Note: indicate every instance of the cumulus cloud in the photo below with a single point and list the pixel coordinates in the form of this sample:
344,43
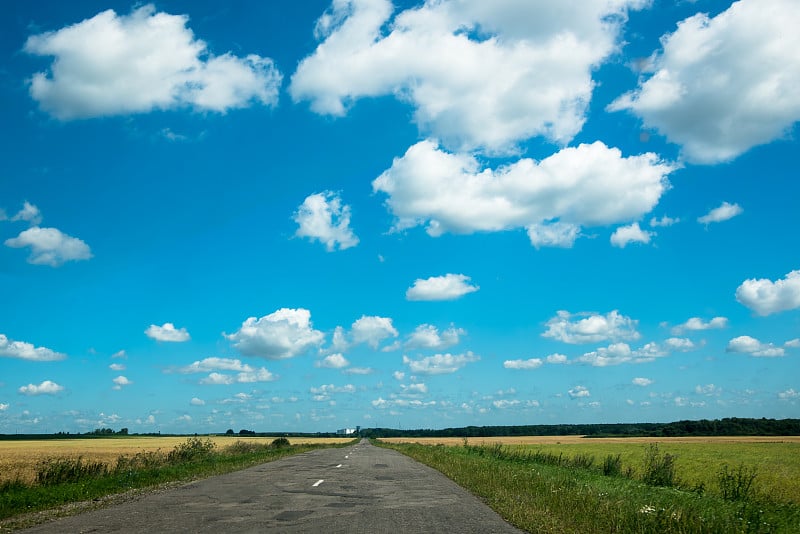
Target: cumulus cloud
167,332
619,353
696,323
578,392
323,217
723,213
587,185
447,287
115,64
532,363
282,334
197,402
47,387
789,394
217,379
372,330
29,213
427,336
644,382
722,85
440,363
625,235
4,406
26,351
333,361
117,367
49,246
752,346
121,381
792,343
215,364
257,375
766,297
664,221
590,327
556,358
414,389
476,75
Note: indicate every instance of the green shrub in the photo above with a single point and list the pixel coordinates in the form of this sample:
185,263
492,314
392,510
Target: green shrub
280,443
659,469
582,461
736,485
191,449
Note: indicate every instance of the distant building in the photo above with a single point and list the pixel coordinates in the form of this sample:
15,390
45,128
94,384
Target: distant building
346,431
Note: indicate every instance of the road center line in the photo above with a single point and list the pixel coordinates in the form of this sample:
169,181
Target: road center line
340,465
318,482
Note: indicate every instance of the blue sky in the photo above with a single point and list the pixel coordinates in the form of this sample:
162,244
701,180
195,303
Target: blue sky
305,216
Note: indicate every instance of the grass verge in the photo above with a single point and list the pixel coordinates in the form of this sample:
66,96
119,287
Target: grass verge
542,495
61,481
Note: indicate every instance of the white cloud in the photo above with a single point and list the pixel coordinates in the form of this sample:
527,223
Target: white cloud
440,363
121,381
752,346
532,363
26,351
663,221
197,402
333,361
372,330
619,353
447,287
113,65
679,344
4,407
556,358
217,379
398,375
722,85
517,80
578,186
49,246
644,382
414,389
709,390
257,375
282,334
427,336
723,213
117,367
215,364
590,327
789,394
624,235
696,323
766,297
359,371
502,404
29,213
167,332
324,392
121,355
792,343
45,388
324,218
578,392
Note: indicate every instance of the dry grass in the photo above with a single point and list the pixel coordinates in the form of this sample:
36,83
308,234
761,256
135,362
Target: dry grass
18,459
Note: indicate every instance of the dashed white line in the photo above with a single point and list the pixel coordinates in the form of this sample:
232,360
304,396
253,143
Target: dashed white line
317,483
340,465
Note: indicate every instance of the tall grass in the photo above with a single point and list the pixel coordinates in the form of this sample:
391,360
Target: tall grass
545,492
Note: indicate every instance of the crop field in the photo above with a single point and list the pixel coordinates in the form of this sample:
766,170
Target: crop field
776,460
18,459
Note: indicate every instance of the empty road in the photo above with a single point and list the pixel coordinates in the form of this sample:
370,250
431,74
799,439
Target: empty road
360,488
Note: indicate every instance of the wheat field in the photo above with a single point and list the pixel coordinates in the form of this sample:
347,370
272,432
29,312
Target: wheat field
18,459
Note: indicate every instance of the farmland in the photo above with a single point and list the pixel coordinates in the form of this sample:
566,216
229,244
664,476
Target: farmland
573,484
19,459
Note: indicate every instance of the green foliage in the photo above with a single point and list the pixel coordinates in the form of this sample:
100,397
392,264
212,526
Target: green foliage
612,465
736,485
659,469
191,449
280,443
63,470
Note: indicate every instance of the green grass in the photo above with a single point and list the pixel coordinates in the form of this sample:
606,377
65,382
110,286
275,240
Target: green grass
61,481
569,496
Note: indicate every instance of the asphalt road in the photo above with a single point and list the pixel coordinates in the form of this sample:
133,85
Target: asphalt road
357,489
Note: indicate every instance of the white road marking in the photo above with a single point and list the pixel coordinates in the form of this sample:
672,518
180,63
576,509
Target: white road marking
318,482
347,457
340,465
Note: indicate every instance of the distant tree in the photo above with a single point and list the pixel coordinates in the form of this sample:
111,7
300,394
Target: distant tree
229,432
244,432
123,432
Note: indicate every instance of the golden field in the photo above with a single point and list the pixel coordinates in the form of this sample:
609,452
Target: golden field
18,459
573,440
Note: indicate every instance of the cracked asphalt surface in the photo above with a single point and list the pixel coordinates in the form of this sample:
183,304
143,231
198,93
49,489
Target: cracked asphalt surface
356,489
